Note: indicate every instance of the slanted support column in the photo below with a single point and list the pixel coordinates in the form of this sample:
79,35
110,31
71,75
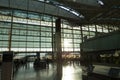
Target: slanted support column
7,66
53,42
10,32
58,49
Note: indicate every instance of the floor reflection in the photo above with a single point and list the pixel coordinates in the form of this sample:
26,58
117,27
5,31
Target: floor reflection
27,72
71,72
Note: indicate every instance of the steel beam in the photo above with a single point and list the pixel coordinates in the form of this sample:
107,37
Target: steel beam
85,2
39,7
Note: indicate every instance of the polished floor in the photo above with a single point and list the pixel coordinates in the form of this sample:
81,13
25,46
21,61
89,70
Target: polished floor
28,72
70,71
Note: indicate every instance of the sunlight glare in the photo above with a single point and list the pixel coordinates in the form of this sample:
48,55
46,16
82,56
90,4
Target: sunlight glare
67,43
67,73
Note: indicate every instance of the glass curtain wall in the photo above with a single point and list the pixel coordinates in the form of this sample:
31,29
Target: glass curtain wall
71,37
30,31
35,32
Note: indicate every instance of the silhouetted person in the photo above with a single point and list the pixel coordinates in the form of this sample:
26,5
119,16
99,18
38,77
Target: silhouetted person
37,61
47,62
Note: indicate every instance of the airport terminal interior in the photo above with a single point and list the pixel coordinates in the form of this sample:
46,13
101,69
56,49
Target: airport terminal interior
59,40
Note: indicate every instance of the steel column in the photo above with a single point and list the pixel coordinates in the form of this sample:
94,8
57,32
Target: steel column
58,49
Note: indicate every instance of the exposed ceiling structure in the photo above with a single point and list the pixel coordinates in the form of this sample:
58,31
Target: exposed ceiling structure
96,11
83,11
